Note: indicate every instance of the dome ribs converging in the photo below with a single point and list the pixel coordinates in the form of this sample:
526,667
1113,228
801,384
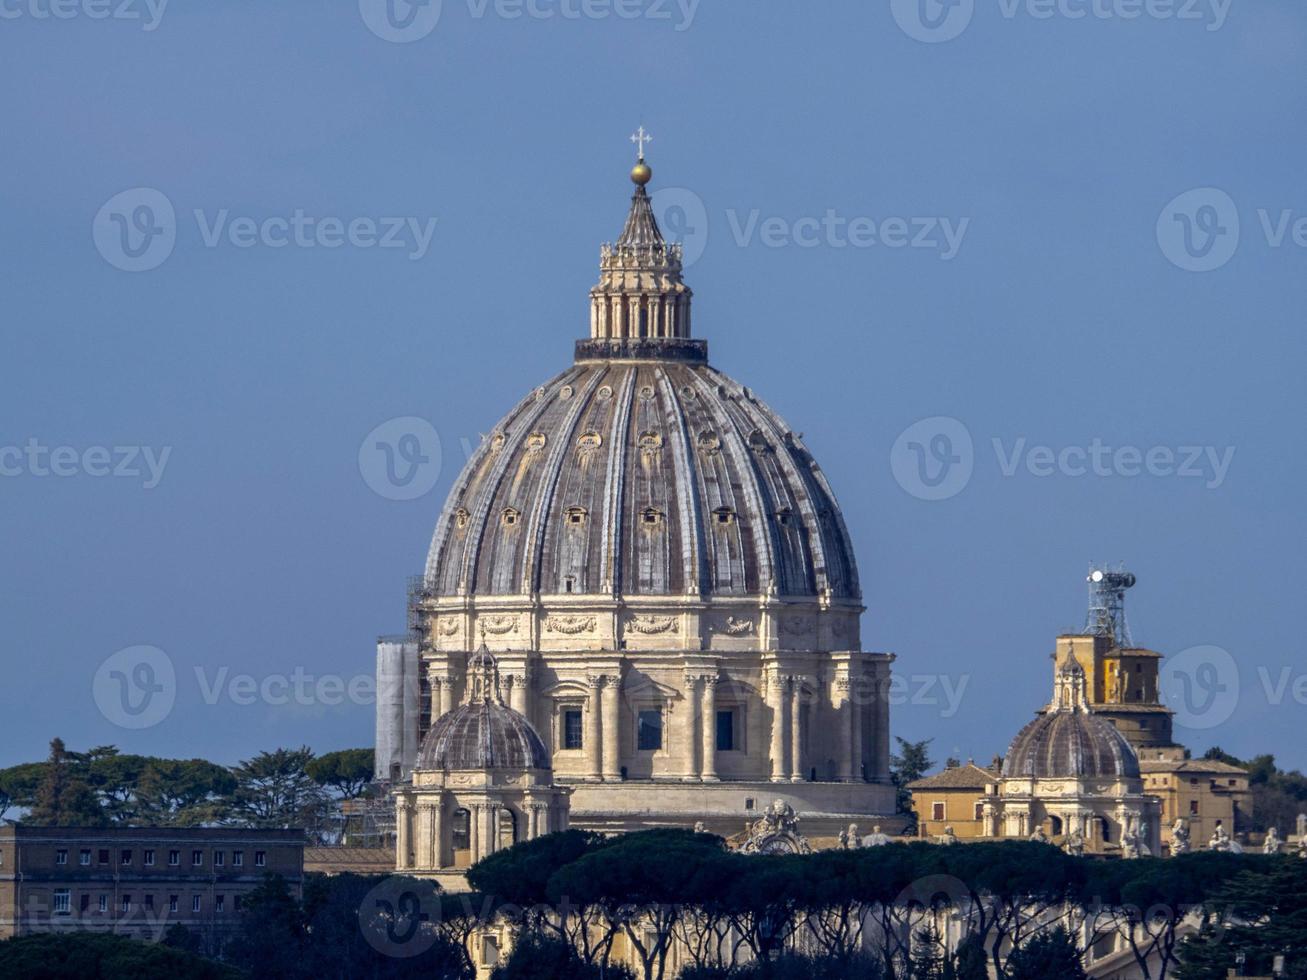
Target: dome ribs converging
611,565
690,513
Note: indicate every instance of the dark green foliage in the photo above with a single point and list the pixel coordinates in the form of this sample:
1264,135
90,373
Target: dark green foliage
910,764
63,798
274,789
1050,954
322,936
101,956
540,958
347,772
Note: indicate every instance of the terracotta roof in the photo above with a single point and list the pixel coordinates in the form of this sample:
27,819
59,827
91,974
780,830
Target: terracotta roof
969,776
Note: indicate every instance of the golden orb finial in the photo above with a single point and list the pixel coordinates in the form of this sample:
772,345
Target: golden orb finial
641,173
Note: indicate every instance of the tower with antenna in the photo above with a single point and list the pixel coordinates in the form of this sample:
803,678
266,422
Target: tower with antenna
1107,587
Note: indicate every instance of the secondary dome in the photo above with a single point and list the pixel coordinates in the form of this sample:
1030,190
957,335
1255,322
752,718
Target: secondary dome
1067,741
484,733
640,470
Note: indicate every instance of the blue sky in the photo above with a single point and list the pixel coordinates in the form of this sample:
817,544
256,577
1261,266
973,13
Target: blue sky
1070,312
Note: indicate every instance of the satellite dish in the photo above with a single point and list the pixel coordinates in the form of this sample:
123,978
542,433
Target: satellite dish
1096,576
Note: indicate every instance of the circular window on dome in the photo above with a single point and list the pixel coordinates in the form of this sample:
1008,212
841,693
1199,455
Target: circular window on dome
566,392
589,442
461,517
688,393
497,442
709,443
535,442
646,392
604,393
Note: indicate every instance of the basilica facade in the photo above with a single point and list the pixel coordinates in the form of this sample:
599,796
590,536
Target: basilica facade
662,575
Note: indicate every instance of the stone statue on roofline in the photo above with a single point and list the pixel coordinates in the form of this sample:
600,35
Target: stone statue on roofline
1179,837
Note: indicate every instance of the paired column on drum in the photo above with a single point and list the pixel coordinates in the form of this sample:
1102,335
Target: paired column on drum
603,729
699,733
403,833
785,699
441,684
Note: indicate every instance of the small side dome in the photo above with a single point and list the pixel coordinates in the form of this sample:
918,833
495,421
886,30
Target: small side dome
484,733
1068,741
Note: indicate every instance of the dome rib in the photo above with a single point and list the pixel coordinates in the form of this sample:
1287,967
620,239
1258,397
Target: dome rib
564,442
760,526
690,512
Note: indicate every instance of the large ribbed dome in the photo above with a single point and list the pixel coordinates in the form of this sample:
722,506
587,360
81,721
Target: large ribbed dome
1067,741
641,477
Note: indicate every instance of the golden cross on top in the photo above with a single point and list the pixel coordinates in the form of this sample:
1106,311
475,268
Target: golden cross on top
640,138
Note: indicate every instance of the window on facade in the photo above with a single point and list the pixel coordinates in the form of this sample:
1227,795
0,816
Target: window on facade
572,728
125,857
1193,808
84,858
260,858
460,832
172,903
726,730
195,903
148,859
174,858
104,855
237,859
649,732
236,903
980,811
149,901
126,904
61,856
63,901
219,858
104,903
937,811
220,904
197,858
84,904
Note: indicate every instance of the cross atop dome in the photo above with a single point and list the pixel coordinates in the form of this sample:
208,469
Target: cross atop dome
640,138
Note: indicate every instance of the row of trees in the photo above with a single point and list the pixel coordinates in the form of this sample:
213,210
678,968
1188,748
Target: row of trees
102,786
918,910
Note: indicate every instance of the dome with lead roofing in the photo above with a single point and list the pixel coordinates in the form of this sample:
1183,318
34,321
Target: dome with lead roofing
640,470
